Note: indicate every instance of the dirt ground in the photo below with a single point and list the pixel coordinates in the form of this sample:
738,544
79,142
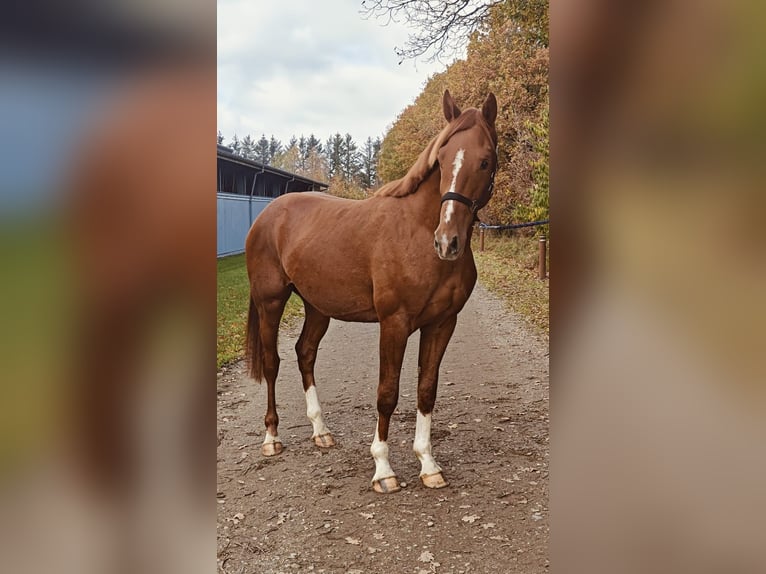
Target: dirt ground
313,510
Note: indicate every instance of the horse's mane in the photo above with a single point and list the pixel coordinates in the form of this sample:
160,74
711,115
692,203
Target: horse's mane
427,159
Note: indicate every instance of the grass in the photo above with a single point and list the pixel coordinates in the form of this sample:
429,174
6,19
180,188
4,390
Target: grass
508,267
233,294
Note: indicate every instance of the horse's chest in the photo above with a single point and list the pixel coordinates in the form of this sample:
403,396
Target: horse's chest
447,298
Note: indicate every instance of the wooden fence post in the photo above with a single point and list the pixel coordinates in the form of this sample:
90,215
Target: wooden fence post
481,239
541,257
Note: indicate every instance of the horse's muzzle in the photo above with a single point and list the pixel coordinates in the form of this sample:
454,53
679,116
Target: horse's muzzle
446,248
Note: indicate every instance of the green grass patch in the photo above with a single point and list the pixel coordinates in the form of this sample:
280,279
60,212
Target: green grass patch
508,267
233,294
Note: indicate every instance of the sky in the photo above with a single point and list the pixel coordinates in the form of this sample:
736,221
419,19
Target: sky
295,67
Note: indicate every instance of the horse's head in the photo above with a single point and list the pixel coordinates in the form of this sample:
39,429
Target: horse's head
467,160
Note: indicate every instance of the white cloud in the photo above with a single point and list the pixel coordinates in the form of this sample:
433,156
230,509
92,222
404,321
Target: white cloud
295,67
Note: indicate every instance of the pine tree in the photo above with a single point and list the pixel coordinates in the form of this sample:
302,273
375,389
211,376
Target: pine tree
312,143
334,155
369,163
350,159
261,150
247,147
236,145
220,138
275,146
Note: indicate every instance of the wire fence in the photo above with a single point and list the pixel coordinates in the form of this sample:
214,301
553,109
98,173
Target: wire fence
514,225
542,272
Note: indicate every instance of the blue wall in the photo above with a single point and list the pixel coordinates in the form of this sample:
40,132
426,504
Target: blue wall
236,214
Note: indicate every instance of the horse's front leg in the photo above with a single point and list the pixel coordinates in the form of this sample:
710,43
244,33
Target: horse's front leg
433,343
393,341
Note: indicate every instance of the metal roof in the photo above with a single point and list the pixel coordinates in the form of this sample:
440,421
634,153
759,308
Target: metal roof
228,154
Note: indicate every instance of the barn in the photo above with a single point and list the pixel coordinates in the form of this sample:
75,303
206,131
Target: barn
245,188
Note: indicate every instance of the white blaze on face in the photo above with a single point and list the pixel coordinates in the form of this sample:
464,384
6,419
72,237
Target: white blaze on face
314,413
456,165
422,445
379,452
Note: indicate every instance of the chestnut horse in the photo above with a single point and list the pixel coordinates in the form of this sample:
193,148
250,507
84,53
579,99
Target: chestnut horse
376,260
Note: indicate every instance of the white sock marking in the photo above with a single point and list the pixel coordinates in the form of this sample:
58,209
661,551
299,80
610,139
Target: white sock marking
379,452
270,438
422,445
314,413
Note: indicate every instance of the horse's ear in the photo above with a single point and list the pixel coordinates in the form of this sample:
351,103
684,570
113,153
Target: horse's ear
451,111
489,109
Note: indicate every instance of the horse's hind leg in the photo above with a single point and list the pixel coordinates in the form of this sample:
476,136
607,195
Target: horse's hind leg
270,313
433,343
314,328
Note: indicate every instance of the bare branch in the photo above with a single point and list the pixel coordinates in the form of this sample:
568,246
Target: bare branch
441,28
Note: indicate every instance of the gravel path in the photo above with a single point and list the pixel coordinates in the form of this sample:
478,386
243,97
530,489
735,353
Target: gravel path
310,510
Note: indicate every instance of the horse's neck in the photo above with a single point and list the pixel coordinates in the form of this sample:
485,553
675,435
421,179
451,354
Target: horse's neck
427,199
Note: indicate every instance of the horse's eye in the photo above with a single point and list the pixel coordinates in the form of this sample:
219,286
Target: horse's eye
484,164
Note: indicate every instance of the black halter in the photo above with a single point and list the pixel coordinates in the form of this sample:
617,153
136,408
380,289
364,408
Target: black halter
476,204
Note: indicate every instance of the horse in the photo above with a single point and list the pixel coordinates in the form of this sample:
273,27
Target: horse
401,258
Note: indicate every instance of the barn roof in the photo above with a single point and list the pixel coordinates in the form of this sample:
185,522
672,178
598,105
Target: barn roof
228,154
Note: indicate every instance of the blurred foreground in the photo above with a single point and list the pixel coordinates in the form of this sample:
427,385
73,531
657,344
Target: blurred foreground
658,315
107,222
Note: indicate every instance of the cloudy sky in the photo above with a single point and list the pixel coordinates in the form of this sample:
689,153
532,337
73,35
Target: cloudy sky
293,67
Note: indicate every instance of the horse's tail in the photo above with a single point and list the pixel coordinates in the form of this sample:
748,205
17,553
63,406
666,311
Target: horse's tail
253,345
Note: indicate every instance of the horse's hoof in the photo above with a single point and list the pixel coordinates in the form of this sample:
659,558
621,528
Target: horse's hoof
272,448
386,485
324,440
435,480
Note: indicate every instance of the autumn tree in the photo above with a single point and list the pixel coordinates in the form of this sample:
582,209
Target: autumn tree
506,57
289,158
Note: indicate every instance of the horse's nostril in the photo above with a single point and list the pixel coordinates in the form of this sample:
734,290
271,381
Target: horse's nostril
436,244
453,245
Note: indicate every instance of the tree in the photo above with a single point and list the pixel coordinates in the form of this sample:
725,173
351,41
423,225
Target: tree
443,29
236,146
369,163
288,159
261,150
350,162
316,165
334,155
220,138
515,67
275,146
247,147
312,143
538,206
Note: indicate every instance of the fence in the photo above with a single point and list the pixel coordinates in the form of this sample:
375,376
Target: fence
236,214
542,271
